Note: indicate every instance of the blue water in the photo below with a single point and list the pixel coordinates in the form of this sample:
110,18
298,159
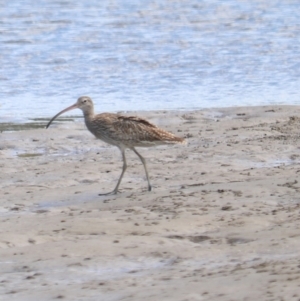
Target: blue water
147,54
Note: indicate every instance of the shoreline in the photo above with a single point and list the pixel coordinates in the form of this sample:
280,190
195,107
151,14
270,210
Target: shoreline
41,122
222,221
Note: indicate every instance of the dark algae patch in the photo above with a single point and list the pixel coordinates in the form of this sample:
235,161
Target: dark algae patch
35,123
8,127
29,155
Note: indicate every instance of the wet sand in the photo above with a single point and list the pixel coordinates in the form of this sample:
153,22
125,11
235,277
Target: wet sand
222,221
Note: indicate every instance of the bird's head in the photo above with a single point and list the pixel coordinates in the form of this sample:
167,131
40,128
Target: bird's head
83,103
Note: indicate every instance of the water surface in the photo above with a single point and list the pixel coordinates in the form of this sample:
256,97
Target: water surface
146,54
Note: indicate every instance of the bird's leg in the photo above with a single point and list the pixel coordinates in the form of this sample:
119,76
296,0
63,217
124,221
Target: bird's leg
115,191
145,166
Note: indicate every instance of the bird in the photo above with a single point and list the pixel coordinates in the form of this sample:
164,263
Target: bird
124,132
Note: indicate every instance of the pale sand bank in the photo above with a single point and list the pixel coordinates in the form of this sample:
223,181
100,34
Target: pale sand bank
222,221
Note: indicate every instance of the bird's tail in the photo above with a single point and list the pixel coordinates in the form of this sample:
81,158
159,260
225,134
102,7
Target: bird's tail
178,140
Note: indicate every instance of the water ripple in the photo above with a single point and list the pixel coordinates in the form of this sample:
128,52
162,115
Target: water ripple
147,55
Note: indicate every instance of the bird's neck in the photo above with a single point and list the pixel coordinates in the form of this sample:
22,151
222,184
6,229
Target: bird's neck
89,114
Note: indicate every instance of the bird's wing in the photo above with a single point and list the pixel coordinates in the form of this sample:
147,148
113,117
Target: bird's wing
141,131
135,121
130,130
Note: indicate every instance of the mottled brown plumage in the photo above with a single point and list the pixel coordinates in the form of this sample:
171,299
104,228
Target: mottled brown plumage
122,131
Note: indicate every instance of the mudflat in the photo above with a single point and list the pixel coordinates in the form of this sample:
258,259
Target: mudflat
222,221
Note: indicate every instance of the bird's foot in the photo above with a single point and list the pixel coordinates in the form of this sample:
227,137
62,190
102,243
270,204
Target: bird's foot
109,193
149,188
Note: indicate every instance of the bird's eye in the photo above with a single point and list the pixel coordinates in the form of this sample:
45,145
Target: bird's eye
84,101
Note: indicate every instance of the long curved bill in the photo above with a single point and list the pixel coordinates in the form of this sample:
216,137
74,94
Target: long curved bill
74,106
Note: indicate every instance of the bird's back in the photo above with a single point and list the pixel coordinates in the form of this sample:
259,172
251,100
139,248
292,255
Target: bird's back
129,131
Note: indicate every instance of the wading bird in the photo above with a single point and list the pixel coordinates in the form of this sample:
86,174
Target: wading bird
122,131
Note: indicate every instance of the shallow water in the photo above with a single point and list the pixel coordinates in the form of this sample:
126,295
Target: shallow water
147,54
